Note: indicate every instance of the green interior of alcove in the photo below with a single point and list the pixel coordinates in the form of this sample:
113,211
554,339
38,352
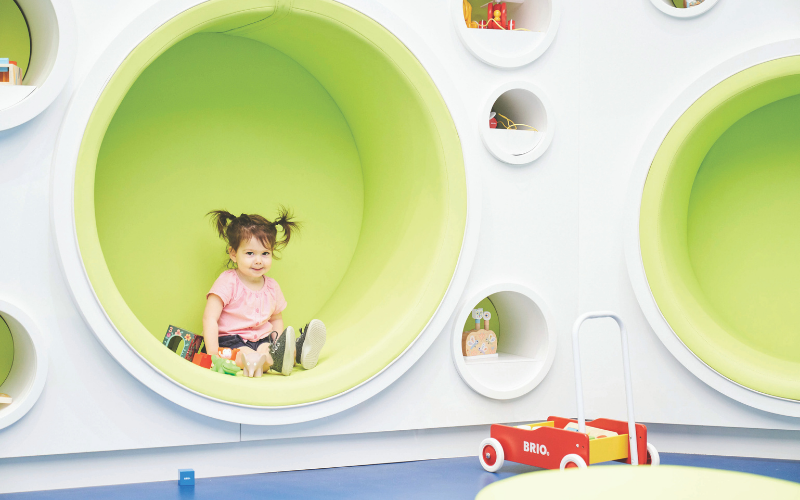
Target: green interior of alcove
247,105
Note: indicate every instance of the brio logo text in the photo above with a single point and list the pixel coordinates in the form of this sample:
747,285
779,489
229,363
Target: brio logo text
539,449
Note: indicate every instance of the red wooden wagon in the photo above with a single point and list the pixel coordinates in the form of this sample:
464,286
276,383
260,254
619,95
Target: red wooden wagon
550,445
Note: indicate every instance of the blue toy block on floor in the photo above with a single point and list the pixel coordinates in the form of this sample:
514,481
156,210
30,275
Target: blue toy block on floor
186,477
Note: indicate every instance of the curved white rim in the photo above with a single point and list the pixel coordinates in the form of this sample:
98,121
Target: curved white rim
655,458
633,256
499,59
670,10
458,358
574,459
62,190
497,151
22,325
44,95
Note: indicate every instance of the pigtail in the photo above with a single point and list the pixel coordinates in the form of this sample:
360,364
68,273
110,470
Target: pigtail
286,222
220,219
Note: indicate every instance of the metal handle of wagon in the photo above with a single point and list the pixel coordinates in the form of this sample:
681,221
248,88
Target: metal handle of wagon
576,351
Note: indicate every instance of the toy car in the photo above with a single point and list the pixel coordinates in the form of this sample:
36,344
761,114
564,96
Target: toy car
551,445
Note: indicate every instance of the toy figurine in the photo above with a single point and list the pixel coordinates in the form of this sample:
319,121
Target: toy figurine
480,341
253,363
224,366
468,15
496,15
9,72
477,314
227,353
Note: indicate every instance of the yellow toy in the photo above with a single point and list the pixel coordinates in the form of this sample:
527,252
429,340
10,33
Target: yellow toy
510,125
468,15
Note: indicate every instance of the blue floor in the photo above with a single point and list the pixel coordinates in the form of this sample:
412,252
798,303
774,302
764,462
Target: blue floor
454,478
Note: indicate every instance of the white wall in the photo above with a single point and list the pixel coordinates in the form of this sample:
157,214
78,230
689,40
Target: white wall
554,225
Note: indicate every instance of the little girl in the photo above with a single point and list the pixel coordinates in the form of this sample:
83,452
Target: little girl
244,307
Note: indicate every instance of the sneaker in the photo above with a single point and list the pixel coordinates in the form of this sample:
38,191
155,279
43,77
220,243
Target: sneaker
310,343
282,351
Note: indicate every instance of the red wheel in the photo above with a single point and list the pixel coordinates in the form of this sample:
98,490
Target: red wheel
571,465
491,455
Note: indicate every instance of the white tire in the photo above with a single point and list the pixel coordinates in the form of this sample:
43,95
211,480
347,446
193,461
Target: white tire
491,455
574,459
654,458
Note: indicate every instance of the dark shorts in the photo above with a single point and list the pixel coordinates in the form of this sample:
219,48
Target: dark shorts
235,342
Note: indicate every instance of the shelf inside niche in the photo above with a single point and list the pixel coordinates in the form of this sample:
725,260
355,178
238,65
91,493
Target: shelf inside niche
502,357
12,94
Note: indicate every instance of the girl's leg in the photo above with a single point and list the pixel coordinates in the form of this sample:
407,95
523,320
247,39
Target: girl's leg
310,344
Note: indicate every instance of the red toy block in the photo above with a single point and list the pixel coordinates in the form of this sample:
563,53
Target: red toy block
201,359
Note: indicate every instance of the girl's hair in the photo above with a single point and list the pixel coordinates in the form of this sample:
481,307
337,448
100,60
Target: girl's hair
236,230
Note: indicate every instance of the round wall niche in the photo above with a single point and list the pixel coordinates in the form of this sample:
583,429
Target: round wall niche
712,250
51,46
290,122
525,124
669,8
24,371
526,342
536,23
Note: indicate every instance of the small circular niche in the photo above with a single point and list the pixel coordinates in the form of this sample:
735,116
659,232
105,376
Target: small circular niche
23,370
526,342
40,36
536,25
668,7
525,124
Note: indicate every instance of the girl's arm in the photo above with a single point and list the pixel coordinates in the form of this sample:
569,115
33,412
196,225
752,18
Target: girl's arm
214,307
277,324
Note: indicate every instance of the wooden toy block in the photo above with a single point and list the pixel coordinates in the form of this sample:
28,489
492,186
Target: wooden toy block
192,342
593,432
186,477
479,343
5,399
9,72
202,359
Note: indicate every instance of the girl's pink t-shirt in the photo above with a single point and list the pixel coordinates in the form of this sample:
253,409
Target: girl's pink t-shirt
246,313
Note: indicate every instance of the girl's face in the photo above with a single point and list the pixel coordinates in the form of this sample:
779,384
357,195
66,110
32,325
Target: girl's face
252,258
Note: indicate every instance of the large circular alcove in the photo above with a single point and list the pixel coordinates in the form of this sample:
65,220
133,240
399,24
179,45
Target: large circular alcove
247,106
41,36
718,234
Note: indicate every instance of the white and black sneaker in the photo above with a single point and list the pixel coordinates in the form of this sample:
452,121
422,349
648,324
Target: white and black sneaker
282,351
310,343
